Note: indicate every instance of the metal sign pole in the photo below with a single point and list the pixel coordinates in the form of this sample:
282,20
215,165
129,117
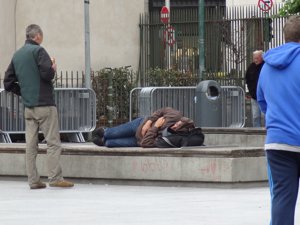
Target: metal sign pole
167,3
87,44
201,39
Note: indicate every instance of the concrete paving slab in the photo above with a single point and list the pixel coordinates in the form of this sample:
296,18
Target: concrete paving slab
94,204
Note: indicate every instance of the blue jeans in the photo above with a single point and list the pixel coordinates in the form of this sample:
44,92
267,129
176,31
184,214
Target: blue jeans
256,113
122,135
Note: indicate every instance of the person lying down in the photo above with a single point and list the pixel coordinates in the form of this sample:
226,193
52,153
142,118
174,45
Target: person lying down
165,128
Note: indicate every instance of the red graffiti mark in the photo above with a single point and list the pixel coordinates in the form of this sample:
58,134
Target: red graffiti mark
210,168
150,165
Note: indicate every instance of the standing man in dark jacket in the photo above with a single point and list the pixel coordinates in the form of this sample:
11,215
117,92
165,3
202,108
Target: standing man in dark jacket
30,75
252,75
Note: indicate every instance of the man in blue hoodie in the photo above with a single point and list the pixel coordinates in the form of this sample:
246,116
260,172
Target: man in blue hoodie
278,95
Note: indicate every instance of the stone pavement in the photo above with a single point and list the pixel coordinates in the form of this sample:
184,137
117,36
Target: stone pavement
95,204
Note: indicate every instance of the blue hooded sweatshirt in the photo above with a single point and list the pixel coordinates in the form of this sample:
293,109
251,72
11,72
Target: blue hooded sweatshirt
278,94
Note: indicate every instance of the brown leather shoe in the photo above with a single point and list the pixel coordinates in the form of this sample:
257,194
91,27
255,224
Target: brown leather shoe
38,185
61,183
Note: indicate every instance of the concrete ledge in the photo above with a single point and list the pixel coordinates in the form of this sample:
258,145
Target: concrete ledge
243,137
217,164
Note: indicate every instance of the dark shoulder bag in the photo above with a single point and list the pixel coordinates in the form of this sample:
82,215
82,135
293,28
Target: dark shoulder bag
171,139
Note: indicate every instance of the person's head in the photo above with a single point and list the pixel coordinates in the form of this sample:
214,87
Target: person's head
35,33
291,29
258,57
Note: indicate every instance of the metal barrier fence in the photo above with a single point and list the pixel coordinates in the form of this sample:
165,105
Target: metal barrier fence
76,110
233,106
150,99
113,107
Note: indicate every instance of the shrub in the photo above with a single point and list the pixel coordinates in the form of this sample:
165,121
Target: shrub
113,104
162,77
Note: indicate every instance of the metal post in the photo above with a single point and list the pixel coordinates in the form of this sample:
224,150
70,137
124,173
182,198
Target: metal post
201,15
87,44
110,97
167,3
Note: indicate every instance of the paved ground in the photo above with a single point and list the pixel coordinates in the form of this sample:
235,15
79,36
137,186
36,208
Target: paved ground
88,204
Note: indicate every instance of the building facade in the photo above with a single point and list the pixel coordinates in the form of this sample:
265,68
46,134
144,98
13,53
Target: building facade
114,28
247,2
7,32
114,31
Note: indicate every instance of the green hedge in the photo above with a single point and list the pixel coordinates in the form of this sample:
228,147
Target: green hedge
162,77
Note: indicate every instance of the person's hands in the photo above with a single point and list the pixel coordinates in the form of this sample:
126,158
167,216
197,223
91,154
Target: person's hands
159,122
146,127
54,66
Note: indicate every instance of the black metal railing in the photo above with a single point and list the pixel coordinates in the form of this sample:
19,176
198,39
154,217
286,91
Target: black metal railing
231,36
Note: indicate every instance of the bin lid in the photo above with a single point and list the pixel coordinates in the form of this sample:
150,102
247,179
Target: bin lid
209,86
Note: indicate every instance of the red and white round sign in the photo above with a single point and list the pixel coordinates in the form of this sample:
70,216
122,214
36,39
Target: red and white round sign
164,15
169,35
265,5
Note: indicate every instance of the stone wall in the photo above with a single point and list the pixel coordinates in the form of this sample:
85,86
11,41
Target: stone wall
7,32
114,30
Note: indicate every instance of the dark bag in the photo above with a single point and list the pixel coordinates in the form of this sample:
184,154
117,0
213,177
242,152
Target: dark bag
172,139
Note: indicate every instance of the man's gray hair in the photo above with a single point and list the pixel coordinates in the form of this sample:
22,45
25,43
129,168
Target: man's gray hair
32,30
258,52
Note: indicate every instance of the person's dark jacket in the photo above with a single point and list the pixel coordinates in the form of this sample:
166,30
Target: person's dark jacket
252,76
30,75
170,115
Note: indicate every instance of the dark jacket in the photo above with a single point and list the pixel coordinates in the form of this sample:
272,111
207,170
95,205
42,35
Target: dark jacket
171,117
30,75
252,76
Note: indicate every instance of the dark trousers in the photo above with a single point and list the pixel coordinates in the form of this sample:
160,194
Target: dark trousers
283,172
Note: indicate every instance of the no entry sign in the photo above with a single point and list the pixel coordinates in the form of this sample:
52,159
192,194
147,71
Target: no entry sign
164,15
265,5
169,35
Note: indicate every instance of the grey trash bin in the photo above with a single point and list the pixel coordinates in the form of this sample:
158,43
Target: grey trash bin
208,104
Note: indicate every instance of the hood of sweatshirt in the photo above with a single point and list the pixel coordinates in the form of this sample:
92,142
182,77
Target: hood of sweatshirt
283,55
